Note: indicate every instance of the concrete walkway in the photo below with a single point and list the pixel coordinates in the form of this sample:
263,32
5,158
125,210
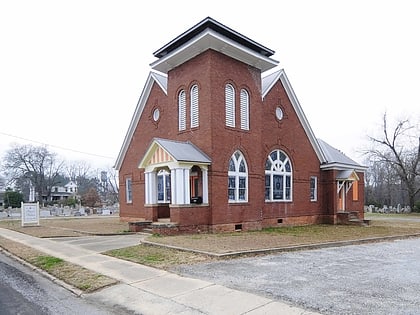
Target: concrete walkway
146,290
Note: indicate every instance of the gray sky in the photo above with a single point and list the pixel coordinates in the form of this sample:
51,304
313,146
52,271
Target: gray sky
71,72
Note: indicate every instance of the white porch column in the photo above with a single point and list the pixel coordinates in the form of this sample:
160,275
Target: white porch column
173,186
187,194
150,180
180,186
205,185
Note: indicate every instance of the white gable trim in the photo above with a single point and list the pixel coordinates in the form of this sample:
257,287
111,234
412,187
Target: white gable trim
210,39
298,109
153,77
341,166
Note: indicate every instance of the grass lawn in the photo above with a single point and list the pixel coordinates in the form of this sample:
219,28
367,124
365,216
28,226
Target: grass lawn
279,237
166,255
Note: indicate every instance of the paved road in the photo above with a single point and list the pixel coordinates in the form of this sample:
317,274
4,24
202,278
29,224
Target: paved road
25,292
376,279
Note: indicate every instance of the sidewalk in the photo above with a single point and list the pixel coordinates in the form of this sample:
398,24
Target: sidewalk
147,290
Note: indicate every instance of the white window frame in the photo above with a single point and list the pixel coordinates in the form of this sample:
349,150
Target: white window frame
166,182
237,177
313,189
280,171
244,106
128,190
194,106
230,105
182,112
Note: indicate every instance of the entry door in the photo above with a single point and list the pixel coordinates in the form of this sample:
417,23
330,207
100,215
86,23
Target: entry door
194,186
341,195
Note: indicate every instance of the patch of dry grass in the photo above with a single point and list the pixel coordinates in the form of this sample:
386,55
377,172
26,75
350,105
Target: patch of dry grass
75,275
165,258
67,227
157,257
272,238
286,236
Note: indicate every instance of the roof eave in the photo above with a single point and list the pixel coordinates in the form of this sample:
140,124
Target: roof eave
209,39
342,166
136,116
301,115
210,23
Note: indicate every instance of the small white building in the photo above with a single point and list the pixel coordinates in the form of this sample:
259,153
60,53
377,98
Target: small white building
63,192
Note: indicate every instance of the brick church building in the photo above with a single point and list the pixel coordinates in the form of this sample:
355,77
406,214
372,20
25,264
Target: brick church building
216,144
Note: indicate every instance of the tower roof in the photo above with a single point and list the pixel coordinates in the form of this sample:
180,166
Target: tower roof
210,34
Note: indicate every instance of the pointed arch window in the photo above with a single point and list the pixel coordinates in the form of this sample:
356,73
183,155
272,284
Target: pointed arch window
182,113
244,109
194,106
230,105
237,178
278,177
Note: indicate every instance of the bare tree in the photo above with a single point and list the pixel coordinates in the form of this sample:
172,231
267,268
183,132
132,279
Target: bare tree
78,169
108,185
2,183
91,198
113,186
397,149
35,164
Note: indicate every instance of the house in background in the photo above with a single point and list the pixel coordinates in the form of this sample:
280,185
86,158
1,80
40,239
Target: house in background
219,142
62,192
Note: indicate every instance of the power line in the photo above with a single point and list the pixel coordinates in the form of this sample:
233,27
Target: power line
56,146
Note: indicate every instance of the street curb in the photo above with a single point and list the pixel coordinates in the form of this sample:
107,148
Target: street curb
45,274
287,248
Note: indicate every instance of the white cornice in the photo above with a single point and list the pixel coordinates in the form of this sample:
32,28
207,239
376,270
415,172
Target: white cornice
341,166
137,114
209,39
301,115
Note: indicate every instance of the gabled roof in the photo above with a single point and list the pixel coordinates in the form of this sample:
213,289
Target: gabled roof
210,34
347,175
153,77
337,159
178,151
267,84
209,23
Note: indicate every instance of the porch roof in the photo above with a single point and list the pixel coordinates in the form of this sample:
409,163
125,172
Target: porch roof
179,151
348,175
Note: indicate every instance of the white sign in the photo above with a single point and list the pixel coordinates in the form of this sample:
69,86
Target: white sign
30,213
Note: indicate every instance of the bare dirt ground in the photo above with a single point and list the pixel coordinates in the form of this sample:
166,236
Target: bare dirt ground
219,244
381,226
293,236
70,226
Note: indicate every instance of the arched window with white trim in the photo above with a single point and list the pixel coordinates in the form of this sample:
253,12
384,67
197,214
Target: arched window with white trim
182,113
230,105
237,178
244,109
278,177
194,106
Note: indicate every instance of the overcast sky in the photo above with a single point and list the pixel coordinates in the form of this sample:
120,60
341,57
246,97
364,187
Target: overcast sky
71,72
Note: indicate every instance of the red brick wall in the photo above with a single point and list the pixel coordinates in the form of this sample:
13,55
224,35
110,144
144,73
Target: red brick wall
289,136
211,71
